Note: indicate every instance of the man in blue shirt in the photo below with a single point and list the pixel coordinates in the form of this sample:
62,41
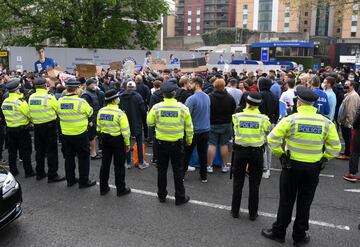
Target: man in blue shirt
329,83
275,88
322,104
44,62
199,106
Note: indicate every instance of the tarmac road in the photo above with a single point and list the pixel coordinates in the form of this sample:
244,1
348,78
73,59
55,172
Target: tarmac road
55,215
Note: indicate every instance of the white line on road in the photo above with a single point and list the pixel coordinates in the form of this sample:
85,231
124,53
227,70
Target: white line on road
224,207
353,190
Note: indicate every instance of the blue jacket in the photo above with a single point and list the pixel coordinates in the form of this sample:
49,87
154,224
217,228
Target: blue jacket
322,104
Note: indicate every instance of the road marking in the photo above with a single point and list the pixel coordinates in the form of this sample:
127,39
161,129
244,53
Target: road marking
353,190
321,175
228,208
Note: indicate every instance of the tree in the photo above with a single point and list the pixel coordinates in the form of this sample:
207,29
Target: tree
83,23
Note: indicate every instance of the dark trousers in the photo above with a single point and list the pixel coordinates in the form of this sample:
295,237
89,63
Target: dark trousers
354,162
145,126
254,157
19,139
173,151
113,147
154,145
77,145
2,141
46,145
200,140
297,183
346,134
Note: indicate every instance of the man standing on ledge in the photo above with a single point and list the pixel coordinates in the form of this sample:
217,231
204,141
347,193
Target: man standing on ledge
311,140
74,113
170,119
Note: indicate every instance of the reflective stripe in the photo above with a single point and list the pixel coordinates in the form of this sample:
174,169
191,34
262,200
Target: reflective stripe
41,111
170,132
250,135
170,106
272,136
70,98
108,125
251,116
171,124
125,129
16,120
62,114
73,120
332,152
188,126
110,131
304,151
308,119
333,143
305,142
43,118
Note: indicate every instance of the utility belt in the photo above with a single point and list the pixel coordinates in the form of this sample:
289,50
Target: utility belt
287,163
242,148
19,128
161,142
51,123
105,135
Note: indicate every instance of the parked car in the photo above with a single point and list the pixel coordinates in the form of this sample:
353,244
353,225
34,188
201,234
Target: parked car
11,198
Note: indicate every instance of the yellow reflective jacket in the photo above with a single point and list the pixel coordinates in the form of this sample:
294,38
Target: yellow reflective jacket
250,127
113,121
43,107
171,119
305,133
74,113
15,110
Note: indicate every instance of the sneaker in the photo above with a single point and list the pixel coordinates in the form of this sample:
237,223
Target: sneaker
191,169
266,174
225,169
143,165
204,181
343,157
129,166
350,177
210,169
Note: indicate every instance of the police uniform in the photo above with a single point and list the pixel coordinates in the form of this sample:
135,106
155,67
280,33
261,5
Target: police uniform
311,139
113,126
74,113
43,107
171,119
16,112
250,127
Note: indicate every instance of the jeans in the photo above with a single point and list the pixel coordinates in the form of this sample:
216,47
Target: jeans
346,134
139,144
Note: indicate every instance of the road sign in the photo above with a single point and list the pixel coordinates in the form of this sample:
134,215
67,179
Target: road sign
265,54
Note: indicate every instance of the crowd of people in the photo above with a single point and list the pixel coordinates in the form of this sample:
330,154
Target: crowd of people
175,112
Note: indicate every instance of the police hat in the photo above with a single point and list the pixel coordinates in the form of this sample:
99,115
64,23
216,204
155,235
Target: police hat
72,83
111,94
40,81
254,98
168,87
13,84
306,95
91,81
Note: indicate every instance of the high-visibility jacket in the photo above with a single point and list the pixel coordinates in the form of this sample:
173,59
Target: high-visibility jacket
171,119
74,113
113,121
250,127
43,106
306,133
15,110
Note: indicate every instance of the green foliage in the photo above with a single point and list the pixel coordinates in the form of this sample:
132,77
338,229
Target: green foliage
82,23
227,36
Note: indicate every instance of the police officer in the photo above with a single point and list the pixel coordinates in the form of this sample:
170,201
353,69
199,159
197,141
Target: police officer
113,126
16,112
171,119
74,113
250,127
43,108
311,140
95,99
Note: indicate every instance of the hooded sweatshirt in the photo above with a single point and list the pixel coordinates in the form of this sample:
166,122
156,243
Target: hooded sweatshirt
132,104
270,102
222,107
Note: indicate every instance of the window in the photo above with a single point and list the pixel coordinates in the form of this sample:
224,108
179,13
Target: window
198,20
305,30
353,34
198,11
189,20
245,6
244,25
354,23
338,30
286,30
305,22
306,13
286,25
189,12
287,14
197,28
189,28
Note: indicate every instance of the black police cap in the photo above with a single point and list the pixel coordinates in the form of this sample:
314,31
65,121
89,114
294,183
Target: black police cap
111,94
72,83
40,81
306,94
254,98
168,87
13,84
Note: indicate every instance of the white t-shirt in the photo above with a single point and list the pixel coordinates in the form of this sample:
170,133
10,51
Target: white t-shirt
288,96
